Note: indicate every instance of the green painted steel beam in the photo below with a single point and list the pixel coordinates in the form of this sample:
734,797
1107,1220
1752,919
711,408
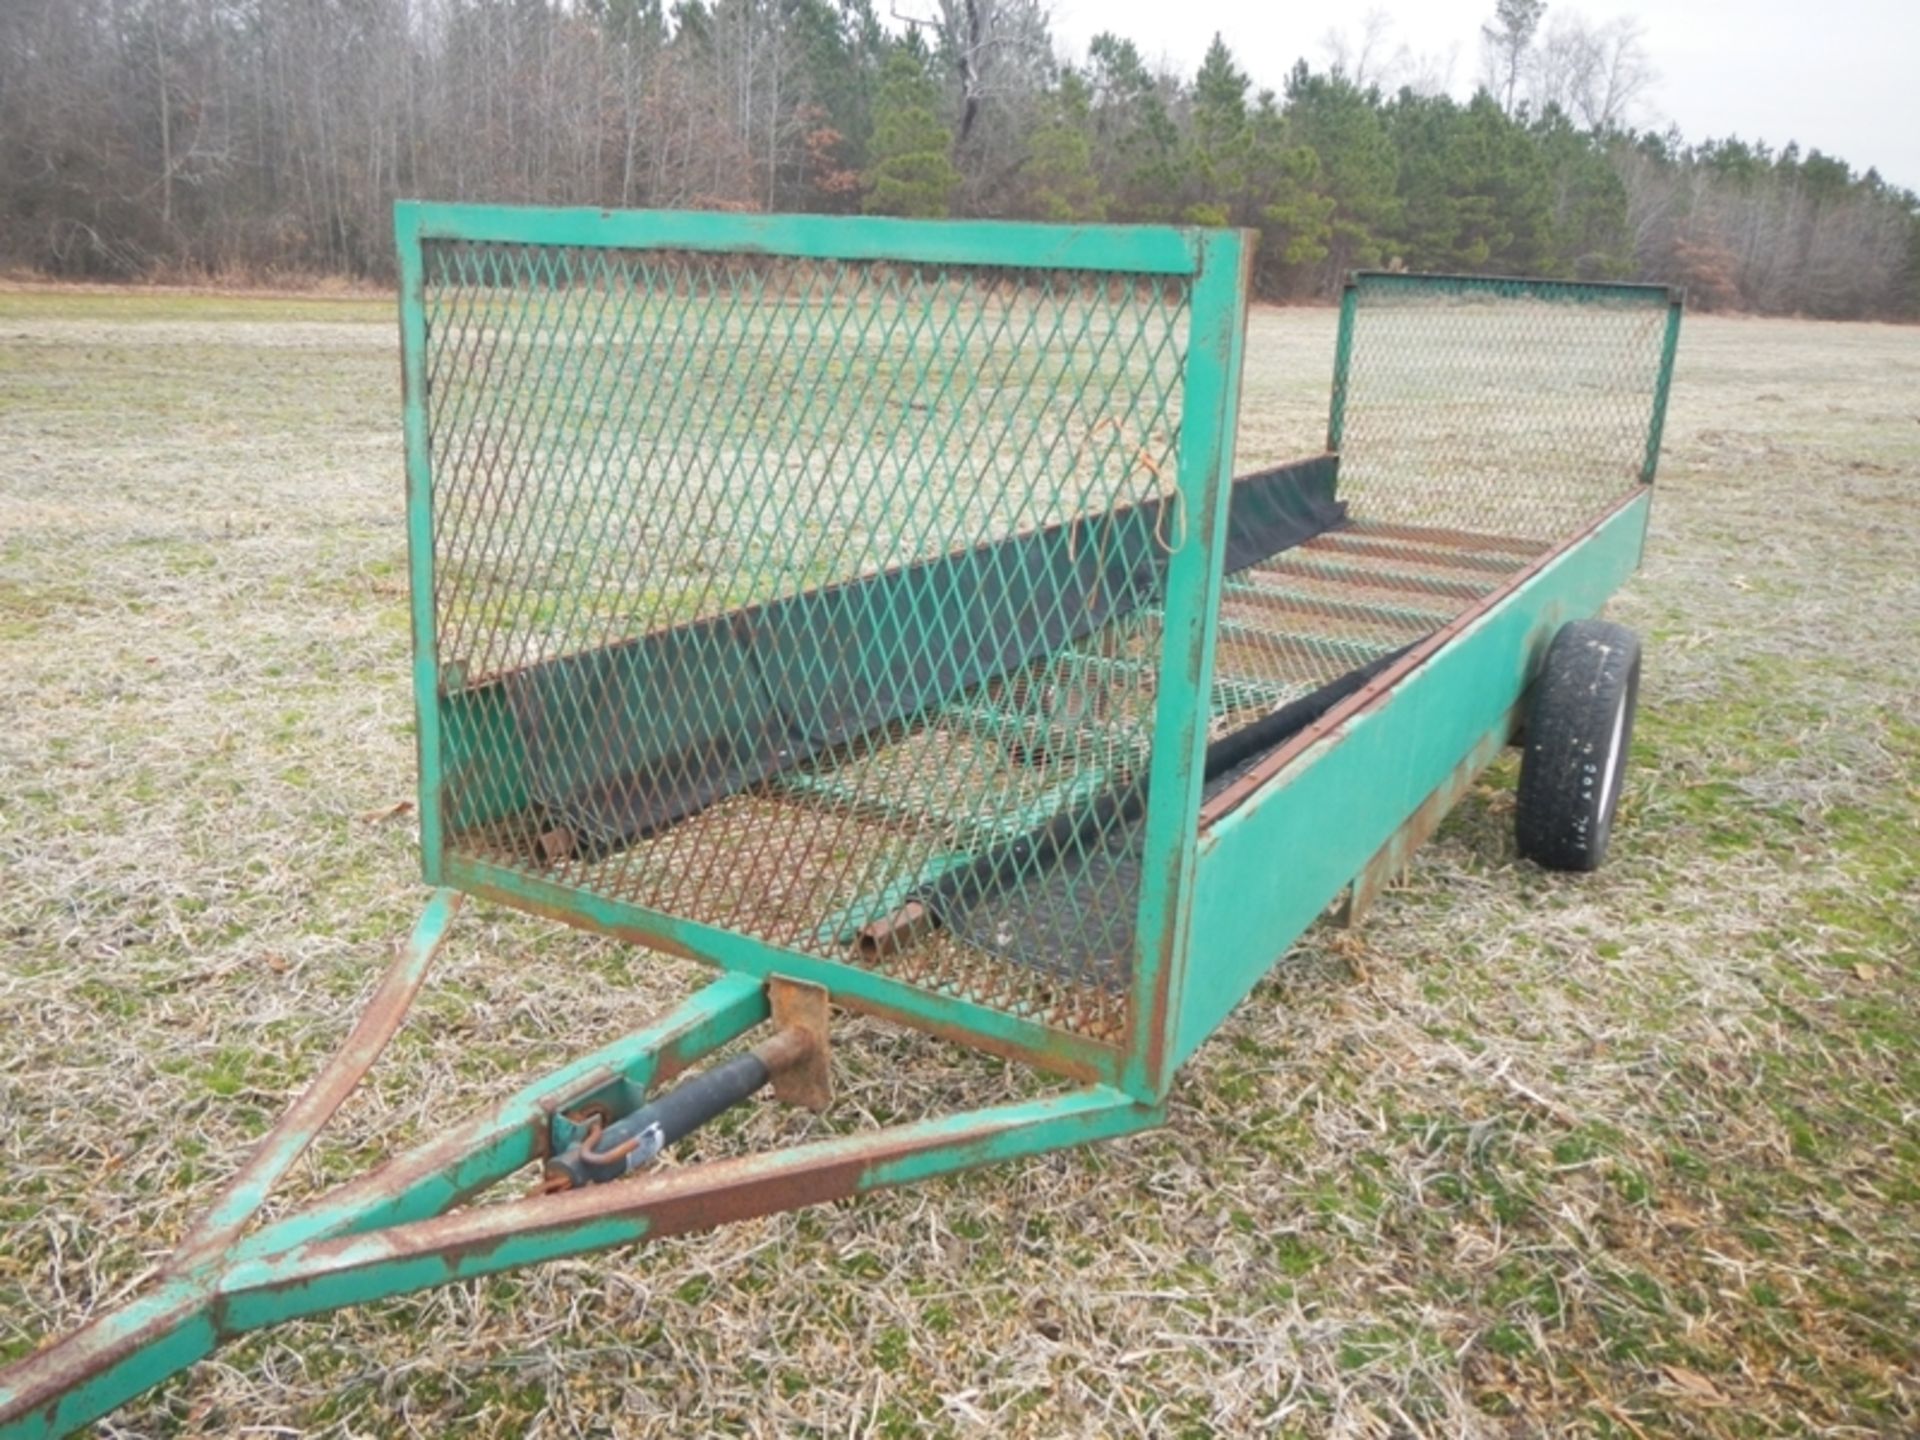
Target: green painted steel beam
274,1155
184,1319
160,1333
420,532
1126,249
327,1275
1512,287
125,1353
1663,384
491,1145
1195,574
1269,869
1342,366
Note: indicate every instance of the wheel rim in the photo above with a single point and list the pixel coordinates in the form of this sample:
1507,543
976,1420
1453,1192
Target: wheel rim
1610,772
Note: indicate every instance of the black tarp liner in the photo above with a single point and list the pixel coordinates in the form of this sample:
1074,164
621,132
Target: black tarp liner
1062,898
622,741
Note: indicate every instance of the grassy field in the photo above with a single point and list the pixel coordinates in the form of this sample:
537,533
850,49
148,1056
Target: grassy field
1630,1155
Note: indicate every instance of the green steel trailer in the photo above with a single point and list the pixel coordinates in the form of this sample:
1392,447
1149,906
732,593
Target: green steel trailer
872,610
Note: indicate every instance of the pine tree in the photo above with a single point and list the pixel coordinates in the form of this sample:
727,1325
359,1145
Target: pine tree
1473,188
1356,166
910,173
1136,145
1295,216
1591,239
1220,149
841,45
1245,167
1060,157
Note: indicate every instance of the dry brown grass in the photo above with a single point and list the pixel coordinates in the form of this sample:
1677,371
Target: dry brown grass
1631,1155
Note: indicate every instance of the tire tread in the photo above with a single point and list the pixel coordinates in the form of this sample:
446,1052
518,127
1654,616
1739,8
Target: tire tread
1557,820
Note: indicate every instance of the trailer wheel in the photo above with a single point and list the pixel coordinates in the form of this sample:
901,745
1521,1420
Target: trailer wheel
1579,729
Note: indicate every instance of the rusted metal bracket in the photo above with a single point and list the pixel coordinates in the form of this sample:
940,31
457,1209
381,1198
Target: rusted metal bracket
800,1005
893,933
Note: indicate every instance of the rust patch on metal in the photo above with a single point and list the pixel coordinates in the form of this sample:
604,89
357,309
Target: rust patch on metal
1405,583
1456,539
589,1146
1061,1054
761,1195
677,1057
1057,1057
801,1008
568,915
1327,609
1472,560
40,1381
667,1202
592,1111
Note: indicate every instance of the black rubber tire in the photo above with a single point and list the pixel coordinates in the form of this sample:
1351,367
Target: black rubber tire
1579,730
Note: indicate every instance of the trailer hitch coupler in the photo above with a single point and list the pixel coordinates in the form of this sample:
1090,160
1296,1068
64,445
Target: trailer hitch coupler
630,1143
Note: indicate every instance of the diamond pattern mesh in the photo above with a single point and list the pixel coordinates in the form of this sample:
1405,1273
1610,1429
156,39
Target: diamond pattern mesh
1484,423
1503,409
805,598
768,590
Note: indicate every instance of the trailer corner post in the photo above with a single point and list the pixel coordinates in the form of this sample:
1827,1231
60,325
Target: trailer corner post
407,233
1657,422
1216,343
1342,364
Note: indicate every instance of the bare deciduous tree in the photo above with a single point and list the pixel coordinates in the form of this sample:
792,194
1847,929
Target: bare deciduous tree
1595,73
1505,45
1365,56
1372,59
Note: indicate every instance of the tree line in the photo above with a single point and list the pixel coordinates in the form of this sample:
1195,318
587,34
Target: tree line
268,138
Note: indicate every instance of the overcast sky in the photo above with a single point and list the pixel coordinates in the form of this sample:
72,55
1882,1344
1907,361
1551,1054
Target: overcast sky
1841,76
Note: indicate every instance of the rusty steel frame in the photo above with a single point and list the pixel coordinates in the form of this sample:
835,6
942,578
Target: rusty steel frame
400,1228
1215,265
410,1224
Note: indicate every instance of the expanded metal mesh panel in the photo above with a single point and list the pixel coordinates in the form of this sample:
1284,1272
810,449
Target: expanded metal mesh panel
822,600
1495,408
771,591
1480,423
1486,422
